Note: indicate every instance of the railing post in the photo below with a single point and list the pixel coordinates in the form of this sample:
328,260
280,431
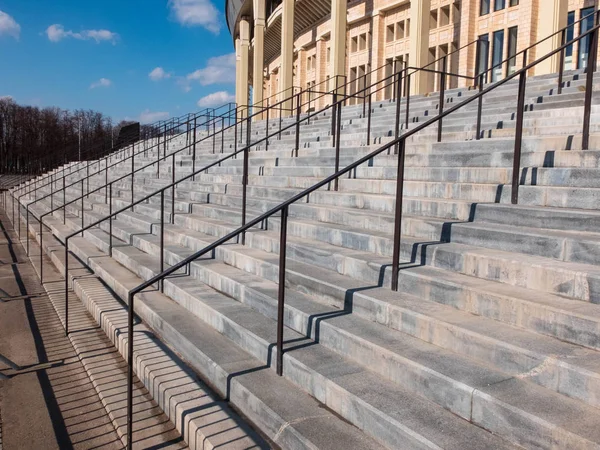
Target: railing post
132,178
442,98
64,202
519,134
82,209
244,192
66,286
334,116
194,153
364,90
281,290
337,142
222,134
110,220
398,215
27,227
398,106
214,136
407,93
130,372
173,191
267,130
369,119
297,124
479,107
42,250
561,63
162,238
587,109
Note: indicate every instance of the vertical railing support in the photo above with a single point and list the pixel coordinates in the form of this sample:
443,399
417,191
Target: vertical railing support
297,124
281,290
398,215
110,220
82,209
369,119
407,93
244,192
337,142
173,191
162,238
442,98
66,286
561,63
587,108
398,107
479,107
130,317
516,176
194,153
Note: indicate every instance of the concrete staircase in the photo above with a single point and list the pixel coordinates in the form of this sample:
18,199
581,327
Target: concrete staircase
492,338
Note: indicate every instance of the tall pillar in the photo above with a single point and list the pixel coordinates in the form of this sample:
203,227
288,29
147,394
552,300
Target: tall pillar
419,43
551,18
244,63
259,52
286,72
238,70
339,12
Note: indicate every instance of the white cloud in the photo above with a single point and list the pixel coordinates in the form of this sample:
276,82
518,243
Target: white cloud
219,69
216,99
102,82
159,74
148,116
57,33
9,26
196,13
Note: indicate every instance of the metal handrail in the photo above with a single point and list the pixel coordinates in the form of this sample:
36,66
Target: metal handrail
156,125
400,144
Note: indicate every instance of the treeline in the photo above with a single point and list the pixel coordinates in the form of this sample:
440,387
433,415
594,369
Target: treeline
33,140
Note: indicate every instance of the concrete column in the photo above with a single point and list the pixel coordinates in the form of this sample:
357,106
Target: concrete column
419,43
244,62
259,52
238,70
551,18
286,72
339,12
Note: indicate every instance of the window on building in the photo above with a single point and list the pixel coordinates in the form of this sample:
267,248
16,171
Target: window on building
584,44
456,12
407,30
362,42
389,33
498,47
570,34
354,47
484,7
513,3
400,30
444,18
483,51
512,50
328,54
433,19
499,4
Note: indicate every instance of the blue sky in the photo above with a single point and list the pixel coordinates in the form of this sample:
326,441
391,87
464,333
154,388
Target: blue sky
135,59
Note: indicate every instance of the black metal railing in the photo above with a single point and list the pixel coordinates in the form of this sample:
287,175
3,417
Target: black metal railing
401,82
398,143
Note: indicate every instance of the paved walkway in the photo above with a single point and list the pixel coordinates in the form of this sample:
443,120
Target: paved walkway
46,399
72,389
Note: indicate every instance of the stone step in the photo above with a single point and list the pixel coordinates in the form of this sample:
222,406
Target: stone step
325,329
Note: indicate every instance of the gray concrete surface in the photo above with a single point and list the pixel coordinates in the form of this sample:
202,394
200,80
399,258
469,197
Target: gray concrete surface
49,403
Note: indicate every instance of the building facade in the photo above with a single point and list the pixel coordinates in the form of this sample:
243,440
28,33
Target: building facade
286,44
